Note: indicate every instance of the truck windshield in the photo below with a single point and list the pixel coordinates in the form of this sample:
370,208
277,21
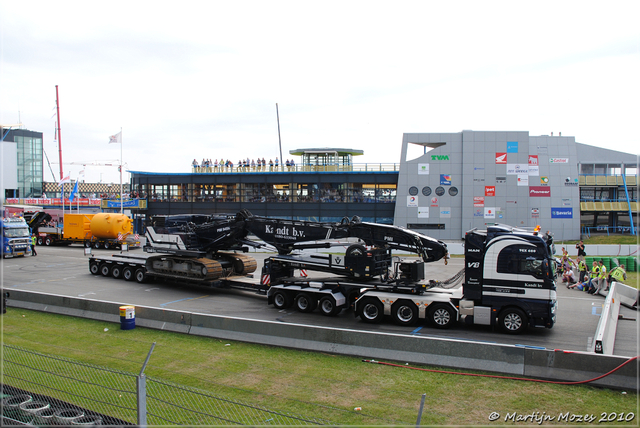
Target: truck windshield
17,232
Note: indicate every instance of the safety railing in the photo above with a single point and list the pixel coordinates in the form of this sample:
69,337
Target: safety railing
364,167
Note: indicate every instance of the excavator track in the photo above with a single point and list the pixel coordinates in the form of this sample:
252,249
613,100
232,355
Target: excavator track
201,269
242,263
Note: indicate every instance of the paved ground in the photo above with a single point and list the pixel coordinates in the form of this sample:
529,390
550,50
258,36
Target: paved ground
65,271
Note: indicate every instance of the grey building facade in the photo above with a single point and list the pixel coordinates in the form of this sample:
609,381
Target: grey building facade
472,179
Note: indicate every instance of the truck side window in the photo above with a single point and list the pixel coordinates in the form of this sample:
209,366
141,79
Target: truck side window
520,259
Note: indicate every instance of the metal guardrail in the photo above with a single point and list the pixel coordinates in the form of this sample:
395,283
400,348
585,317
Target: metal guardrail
617,294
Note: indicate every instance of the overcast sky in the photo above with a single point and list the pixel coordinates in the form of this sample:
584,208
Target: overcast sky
201,79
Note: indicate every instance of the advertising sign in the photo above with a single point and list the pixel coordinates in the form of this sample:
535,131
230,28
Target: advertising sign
445,212
489,190
489,212
412,201
478,201
533,160
423,212
434,202
512,147
423,169
501,158
535,212
558,160
561,212
445,180
534,169
544,181
523,180
515,169
539,191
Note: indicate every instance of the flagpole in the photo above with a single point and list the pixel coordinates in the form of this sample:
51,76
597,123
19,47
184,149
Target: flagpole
121,201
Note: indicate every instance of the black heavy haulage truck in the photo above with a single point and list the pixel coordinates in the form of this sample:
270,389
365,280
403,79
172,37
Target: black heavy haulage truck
507,281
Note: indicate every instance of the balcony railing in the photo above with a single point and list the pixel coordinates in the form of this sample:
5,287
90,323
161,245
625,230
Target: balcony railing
606,180
358,167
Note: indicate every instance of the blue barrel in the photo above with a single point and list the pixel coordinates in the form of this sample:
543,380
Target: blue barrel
127,317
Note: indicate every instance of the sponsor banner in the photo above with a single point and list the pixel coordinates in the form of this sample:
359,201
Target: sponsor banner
131,203
412,201
445,212
534,170
539,191
516,168
535,212
523,180
501,180
533,160
445,179
83,202
499,213
489,190
501,158
490,212
479,180
512,147
423,169
544,181
512,202
561,212
478,168
478,213
423,212
440,157
558,160
566,202
478,201
571,182
434,202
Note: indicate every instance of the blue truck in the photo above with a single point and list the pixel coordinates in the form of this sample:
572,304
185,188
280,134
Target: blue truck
16,241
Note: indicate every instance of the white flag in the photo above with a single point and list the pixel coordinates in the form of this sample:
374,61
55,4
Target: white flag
66,179
116,138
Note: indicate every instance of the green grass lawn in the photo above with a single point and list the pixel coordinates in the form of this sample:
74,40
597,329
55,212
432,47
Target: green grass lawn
306,383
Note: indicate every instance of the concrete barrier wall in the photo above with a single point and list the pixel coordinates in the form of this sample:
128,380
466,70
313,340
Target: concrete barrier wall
505,359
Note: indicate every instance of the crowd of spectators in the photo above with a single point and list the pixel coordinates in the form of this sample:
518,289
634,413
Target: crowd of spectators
243,165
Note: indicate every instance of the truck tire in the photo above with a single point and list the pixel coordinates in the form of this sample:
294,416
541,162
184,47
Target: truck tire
512,321
328,306
94,268
356,250
141,276
282,299
116,271
96,245
87,244
128,273
441,315
404,312
105,269
306,302
48,241
40,241
107,245
370,310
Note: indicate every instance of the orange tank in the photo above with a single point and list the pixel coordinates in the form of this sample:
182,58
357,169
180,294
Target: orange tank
108,225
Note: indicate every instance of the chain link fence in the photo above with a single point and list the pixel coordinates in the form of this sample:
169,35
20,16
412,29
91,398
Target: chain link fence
41,389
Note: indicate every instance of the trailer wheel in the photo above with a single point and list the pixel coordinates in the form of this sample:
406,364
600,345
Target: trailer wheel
356,250
370,310
116,271
96,245
94,268
282,299
141,276
328,306
48,241
107,245
87,244
305,302
105,269
40,241
442,316
128,273
512,321
404,312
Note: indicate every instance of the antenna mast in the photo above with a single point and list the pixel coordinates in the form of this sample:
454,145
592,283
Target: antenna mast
59,137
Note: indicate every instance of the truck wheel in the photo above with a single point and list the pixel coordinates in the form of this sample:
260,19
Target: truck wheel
328,306
442,316
87,244
94,268
40,241
282,300
305,302
48,241
356,250
370,310
141,276
127,273
96,245
512,321
107,245
404,312
116,271
105,269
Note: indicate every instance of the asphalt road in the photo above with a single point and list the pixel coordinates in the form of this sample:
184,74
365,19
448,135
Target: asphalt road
65,271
